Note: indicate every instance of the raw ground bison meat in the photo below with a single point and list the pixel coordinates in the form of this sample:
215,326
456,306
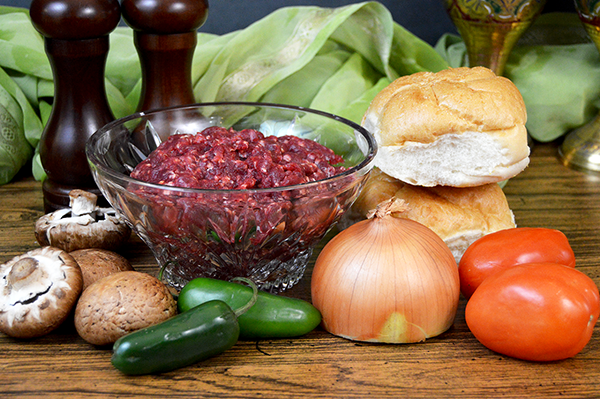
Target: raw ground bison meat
219,158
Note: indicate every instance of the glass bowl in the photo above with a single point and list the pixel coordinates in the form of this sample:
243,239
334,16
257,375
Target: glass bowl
266,235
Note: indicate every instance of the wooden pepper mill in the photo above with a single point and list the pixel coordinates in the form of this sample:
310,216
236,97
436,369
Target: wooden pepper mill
76,42
165,36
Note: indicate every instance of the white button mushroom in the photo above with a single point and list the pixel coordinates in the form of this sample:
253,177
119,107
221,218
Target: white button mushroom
38,291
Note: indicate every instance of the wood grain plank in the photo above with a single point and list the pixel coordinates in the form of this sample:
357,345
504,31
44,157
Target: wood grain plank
321,365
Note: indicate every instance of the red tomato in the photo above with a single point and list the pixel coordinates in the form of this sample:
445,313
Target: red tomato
510,247
539,311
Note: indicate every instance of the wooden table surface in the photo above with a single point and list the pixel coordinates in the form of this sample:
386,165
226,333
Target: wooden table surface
454,364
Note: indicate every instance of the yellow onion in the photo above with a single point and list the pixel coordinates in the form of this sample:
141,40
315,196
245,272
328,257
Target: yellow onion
386,279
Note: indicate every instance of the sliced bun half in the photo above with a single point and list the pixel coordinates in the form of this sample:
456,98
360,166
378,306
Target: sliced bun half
460,127
458,215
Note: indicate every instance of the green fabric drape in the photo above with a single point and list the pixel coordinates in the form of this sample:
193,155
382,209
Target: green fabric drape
331,59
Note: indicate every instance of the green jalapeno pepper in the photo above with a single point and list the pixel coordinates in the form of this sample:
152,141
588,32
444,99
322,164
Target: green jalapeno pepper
272,316
202,332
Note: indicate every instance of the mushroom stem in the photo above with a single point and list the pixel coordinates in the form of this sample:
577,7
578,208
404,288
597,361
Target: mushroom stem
82,202
21,270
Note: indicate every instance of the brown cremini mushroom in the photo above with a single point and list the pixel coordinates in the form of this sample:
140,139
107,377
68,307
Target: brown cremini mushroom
96,263
83,225
122,303
39,290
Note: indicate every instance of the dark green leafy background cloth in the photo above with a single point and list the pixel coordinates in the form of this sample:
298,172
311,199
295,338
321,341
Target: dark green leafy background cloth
332,59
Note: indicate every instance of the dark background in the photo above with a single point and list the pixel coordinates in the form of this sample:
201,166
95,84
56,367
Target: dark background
425,18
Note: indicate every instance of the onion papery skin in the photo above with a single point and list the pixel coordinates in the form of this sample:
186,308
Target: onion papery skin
386,280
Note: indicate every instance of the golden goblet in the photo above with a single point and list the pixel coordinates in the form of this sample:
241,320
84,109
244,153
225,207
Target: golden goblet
581,147
490,28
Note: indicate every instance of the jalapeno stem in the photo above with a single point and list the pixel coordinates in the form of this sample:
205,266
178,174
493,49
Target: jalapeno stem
163,267
241,310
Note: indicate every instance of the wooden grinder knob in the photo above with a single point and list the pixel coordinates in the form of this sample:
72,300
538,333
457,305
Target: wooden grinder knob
165,35
76,42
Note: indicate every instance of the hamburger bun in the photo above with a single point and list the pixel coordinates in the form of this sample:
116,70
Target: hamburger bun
460,127
458,215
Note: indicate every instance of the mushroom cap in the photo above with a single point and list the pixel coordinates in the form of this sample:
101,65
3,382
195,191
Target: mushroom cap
60,230
96,263
122,303
38,291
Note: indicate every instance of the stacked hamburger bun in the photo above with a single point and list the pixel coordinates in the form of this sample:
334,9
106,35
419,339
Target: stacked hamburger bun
445,139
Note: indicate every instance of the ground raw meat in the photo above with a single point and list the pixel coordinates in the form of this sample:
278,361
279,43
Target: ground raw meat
253,233
219,158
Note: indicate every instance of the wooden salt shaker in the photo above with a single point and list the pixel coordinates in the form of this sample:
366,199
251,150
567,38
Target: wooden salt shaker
165,36
76,42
